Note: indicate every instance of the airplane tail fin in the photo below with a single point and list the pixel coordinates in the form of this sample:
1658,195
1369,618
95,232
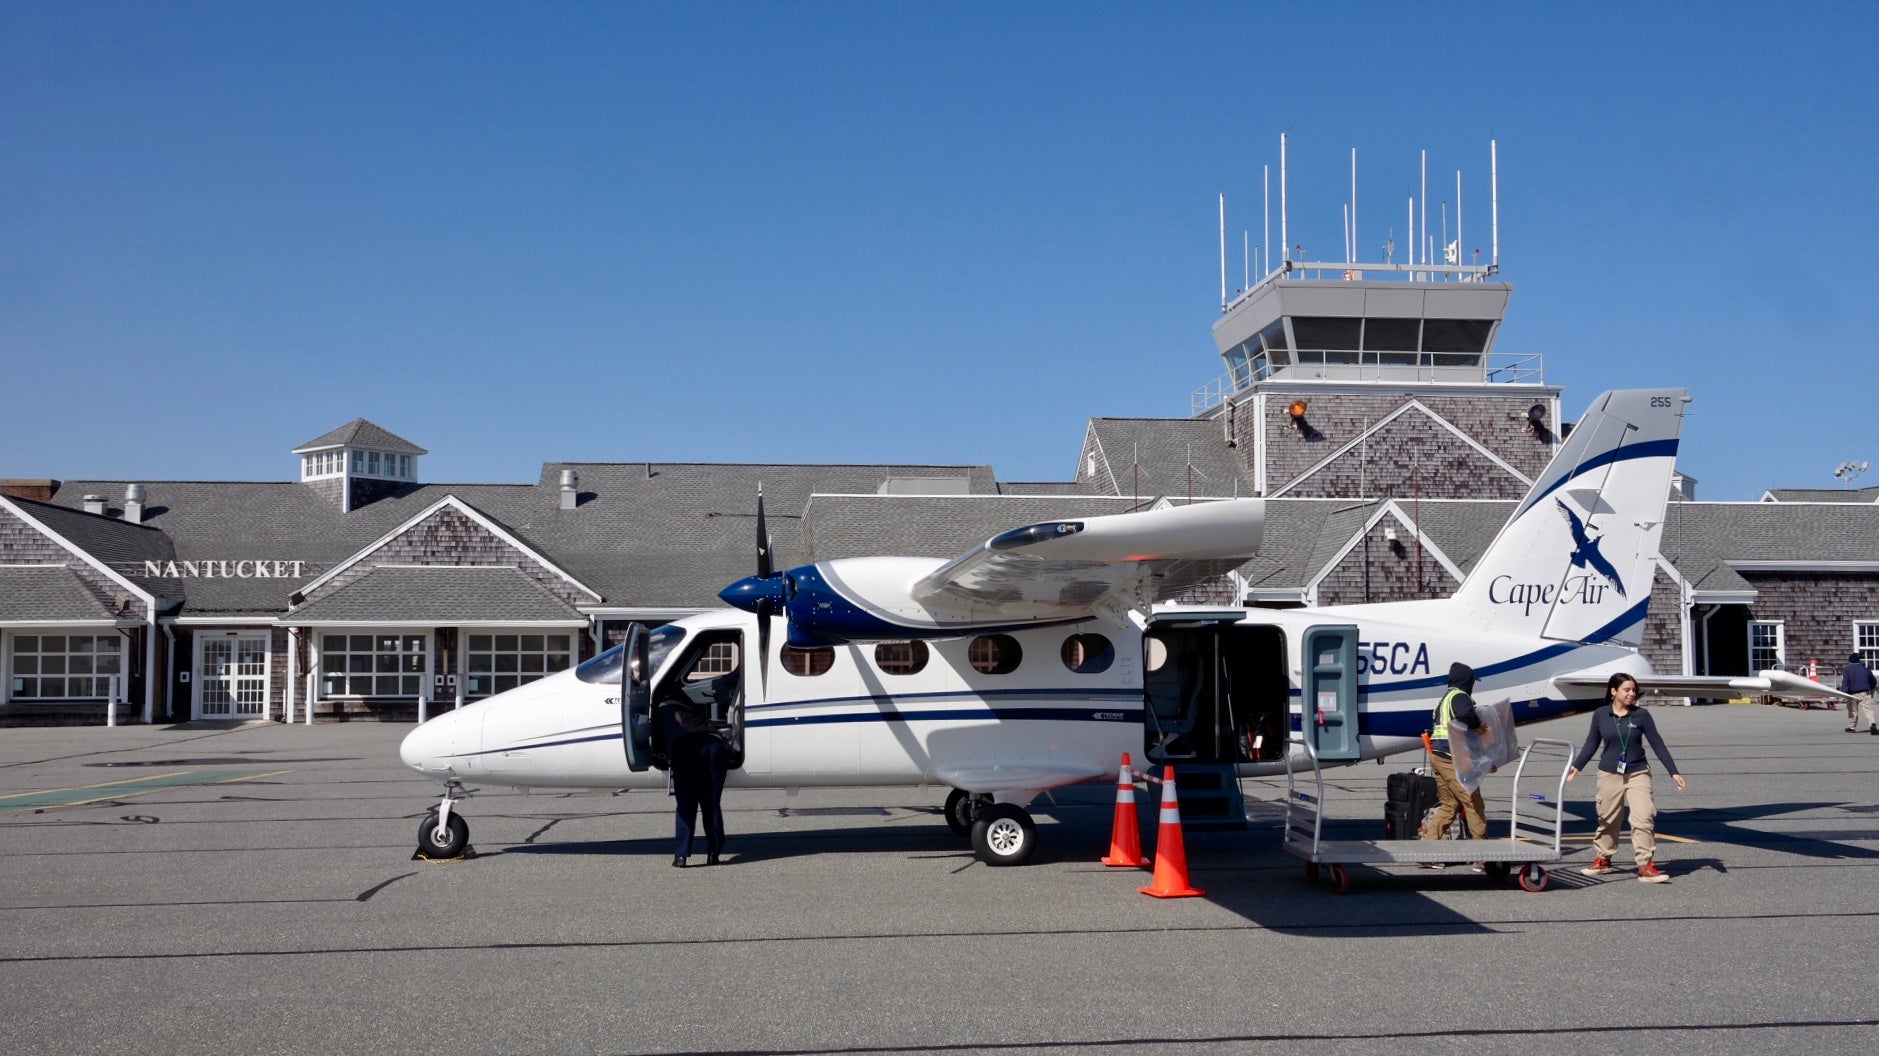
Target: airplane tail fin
1576,560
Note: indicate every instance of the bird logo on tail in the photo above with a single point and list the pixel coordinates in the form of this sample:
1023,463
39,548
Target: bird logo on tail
1585,552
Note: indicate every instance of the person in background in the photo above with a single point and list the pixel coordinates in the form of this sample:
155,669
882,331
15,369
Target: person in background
1455,706
1856,678
1624,778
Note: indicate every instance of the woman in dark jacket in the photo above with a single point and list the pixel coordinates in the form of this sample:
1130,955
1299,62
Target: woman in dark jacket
1624,778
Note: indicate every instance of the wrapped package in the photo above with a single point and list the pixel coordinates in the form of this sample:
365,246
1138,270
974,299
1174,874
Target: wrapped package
1477,753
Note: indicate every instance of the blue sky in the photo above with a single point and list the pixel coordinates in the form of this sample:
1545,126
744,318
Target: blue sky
886,232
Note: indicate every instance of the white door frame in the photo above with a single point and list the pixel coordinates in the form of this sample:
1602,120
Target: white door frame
235,638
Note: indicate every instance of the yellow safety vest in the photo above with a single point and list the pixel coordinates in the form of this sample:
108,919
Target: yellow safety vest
1443,712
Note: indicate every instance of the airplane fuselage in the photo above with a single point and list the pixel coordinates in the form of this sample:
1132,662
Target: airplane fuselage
1046,722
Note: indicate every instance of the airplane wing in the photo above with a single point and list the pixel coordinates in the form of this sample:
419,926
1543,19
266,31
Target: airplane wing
1766,684
1095,565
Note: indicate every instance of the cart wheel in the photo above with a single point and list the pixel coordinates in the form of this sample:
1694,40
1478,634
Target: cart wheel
1499,871
1311,872
1340,880
1533,878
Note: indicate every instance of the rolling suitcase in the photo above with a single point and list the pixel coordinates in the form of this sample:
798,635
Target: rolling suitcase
1410,796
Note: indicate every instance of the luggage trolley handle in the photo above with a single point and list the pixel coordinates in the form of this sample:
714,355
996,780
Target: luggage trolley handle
1294,799
1558,802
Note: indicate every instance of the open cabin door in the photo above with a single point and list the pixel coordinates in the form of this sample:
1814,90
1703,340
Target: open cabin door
636,698
1328,691
1215,689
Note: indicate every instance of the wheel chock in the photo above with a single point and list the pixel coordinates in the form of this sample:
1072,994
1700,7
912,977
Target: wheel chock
467,853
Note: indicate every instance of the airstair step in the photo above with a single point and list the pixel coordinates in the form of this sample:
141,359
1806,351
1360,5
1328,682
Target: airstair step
1210,796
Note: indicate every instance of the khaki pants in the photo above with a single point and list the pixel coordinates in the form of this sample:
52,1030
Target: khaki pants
1616,793
1455,800
1868,704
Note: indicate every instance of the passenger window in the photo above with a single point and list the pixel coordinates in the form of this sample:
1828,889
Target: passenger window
1088,654
994,654
808,663
900,658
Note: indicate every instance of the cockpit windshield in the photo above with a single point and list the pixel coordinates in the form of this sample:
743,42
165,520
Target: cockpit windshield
606,666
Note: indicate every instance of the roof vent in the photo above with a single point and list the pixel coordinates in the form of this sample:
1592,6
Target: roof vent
570,489
94,504
134,503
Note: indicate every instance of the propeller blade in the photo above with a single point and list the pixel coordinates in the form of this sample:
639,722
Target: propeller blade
763,650
764,569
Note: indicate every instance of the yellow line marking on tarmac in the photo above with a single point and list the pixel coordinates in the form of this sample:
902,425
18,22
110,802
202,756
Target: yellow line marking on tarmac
43,804
1625,835
101,784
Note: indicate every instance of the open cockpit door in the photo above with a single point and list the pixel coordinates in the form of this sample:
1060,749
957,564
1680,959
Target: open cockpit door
1328,691
636,698
707,680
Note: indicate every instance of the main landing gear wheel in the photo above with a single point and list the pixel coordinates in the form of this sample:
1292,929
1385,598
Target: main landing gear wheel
1004,835
1533,878
447,842
959,811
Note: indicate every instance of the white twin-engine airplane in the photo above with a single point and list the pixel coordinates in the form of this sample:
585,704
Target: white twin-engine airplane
1037,659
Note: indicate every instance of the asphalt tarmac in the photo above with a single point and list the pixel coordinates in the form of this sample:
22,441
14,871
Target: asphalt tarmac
251,889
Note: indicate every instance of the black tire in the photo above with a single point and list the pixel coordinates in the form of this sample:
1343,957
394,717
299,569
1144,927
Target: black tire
1004,835
959,812
1498,872
458,837
1311,872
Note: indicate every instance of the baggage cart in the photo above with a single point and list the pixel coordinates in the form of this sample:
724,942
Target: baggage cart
1534,823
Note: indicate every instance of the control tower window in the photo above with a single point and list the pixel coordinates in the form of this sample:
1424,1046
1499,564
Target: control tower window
1327,340
1239,366
1273,338
1392,335
1456,342
1325,333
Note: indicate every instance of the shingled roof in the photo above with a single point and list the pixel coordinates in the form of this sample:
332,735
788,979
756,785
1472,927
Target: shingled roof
361,433
1176,457
48,594
452,594
1849,495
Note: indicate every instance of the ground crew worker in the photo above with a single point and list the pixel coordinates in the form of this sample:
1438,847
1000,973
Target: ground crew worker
1456,706
1624,778
1856,678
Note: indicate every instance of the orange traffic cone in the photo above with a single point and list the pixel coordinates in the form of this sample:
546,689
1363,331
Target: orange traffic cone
1125,836
1170,853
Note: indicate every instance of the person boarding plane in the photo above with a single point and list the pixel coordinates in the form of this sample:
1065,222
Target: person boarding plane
1037,659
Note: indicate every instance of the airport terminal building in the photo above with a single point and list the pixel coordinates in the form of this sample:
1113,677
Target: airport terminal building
1388,437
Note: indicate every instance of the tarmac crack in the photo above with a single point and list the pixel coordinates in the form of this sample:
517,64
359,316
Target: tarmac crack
602,944
1189,1043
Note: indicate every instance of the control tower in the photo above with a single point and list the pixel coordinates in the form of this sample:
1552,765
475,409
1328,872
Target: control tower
1380,380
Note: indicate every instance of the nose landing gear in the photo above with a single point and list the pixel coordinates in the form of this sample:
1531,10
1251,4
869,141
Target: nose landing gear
444,835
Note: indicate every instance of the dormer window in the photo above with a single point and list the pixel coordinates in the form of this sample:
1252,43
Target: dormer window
353,464
322,464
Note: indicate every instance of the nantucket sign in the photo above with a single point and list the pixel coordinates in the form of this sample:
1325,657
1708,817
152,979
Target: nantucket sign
245,568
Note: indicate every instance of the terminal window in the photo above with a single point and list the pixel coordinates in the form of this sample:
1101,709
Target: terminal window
1766,648
372,665
65,666
1866,640
499,662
